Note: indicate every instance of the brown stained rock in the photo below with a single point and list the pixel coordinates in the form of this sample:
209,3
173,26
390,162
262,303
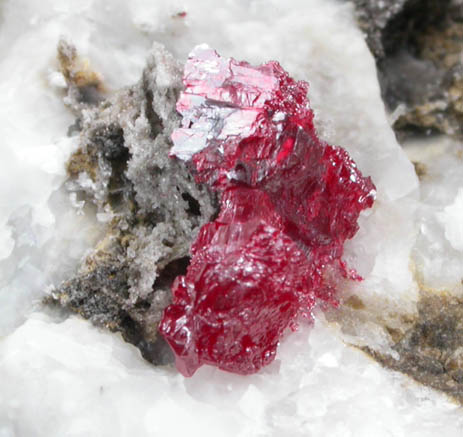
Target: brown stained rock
431,351
418,46
85,86
152,205
440,109
420,169
83,162
392,24
354,302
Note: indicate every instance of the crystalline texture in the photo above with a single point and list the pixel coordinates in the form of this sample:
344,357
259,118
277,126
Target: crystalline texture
241,290
288,203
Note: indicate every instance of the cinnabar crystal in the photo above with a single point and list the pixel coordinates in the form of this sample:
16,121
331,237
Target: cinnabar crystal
288,202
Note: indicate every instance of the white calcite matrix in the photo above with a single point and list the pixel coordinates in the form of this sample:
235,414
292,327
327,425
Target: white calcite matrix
438,252
60,376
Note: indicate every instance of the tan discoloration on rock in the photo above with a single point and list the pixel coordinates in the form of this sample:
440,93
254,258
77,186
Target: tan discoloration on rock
85,85
418,46
354,302
431,350
420,169
443,46
82,161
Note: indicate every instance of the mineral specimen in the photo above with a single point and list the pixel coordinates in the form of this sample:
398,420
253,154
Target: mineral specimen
288,203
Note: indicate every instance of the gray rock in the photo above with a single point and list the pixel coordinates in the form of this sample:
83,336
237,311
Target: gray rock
390,25
417,45
153,206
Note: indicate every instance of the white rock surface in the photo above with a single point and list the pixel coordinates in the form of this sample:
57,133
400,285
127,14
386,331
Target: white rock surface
452,220
69,379
438,253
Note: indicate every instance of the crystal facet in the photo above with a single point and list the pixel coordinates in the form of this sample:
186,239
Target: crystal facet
288,203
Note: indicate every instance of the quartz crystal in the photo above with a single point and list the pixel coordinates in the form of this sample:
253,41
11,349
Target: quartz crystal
288,202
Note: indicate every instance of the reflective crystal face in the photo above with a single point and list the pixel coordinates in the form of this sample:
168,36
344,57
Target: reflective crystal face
288,203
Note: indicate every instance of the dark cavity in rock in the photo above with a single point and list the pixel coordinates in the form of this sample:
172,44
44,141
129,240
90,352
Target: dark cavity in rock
418,45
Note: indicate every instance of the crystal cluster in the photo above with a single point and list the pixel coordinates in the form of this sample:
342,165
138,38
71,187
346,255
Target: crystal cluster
288,203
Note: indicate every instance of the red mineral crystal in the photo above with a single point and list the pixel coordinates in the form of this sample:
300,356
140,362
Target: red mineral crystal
288,202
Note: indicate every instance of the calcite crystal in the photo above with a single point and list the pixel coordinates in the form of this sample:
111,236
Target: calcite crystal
288,202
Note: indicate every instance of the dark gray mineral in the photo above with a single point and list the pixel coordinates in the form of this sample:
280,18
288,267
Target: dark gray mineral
418,46
151,204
